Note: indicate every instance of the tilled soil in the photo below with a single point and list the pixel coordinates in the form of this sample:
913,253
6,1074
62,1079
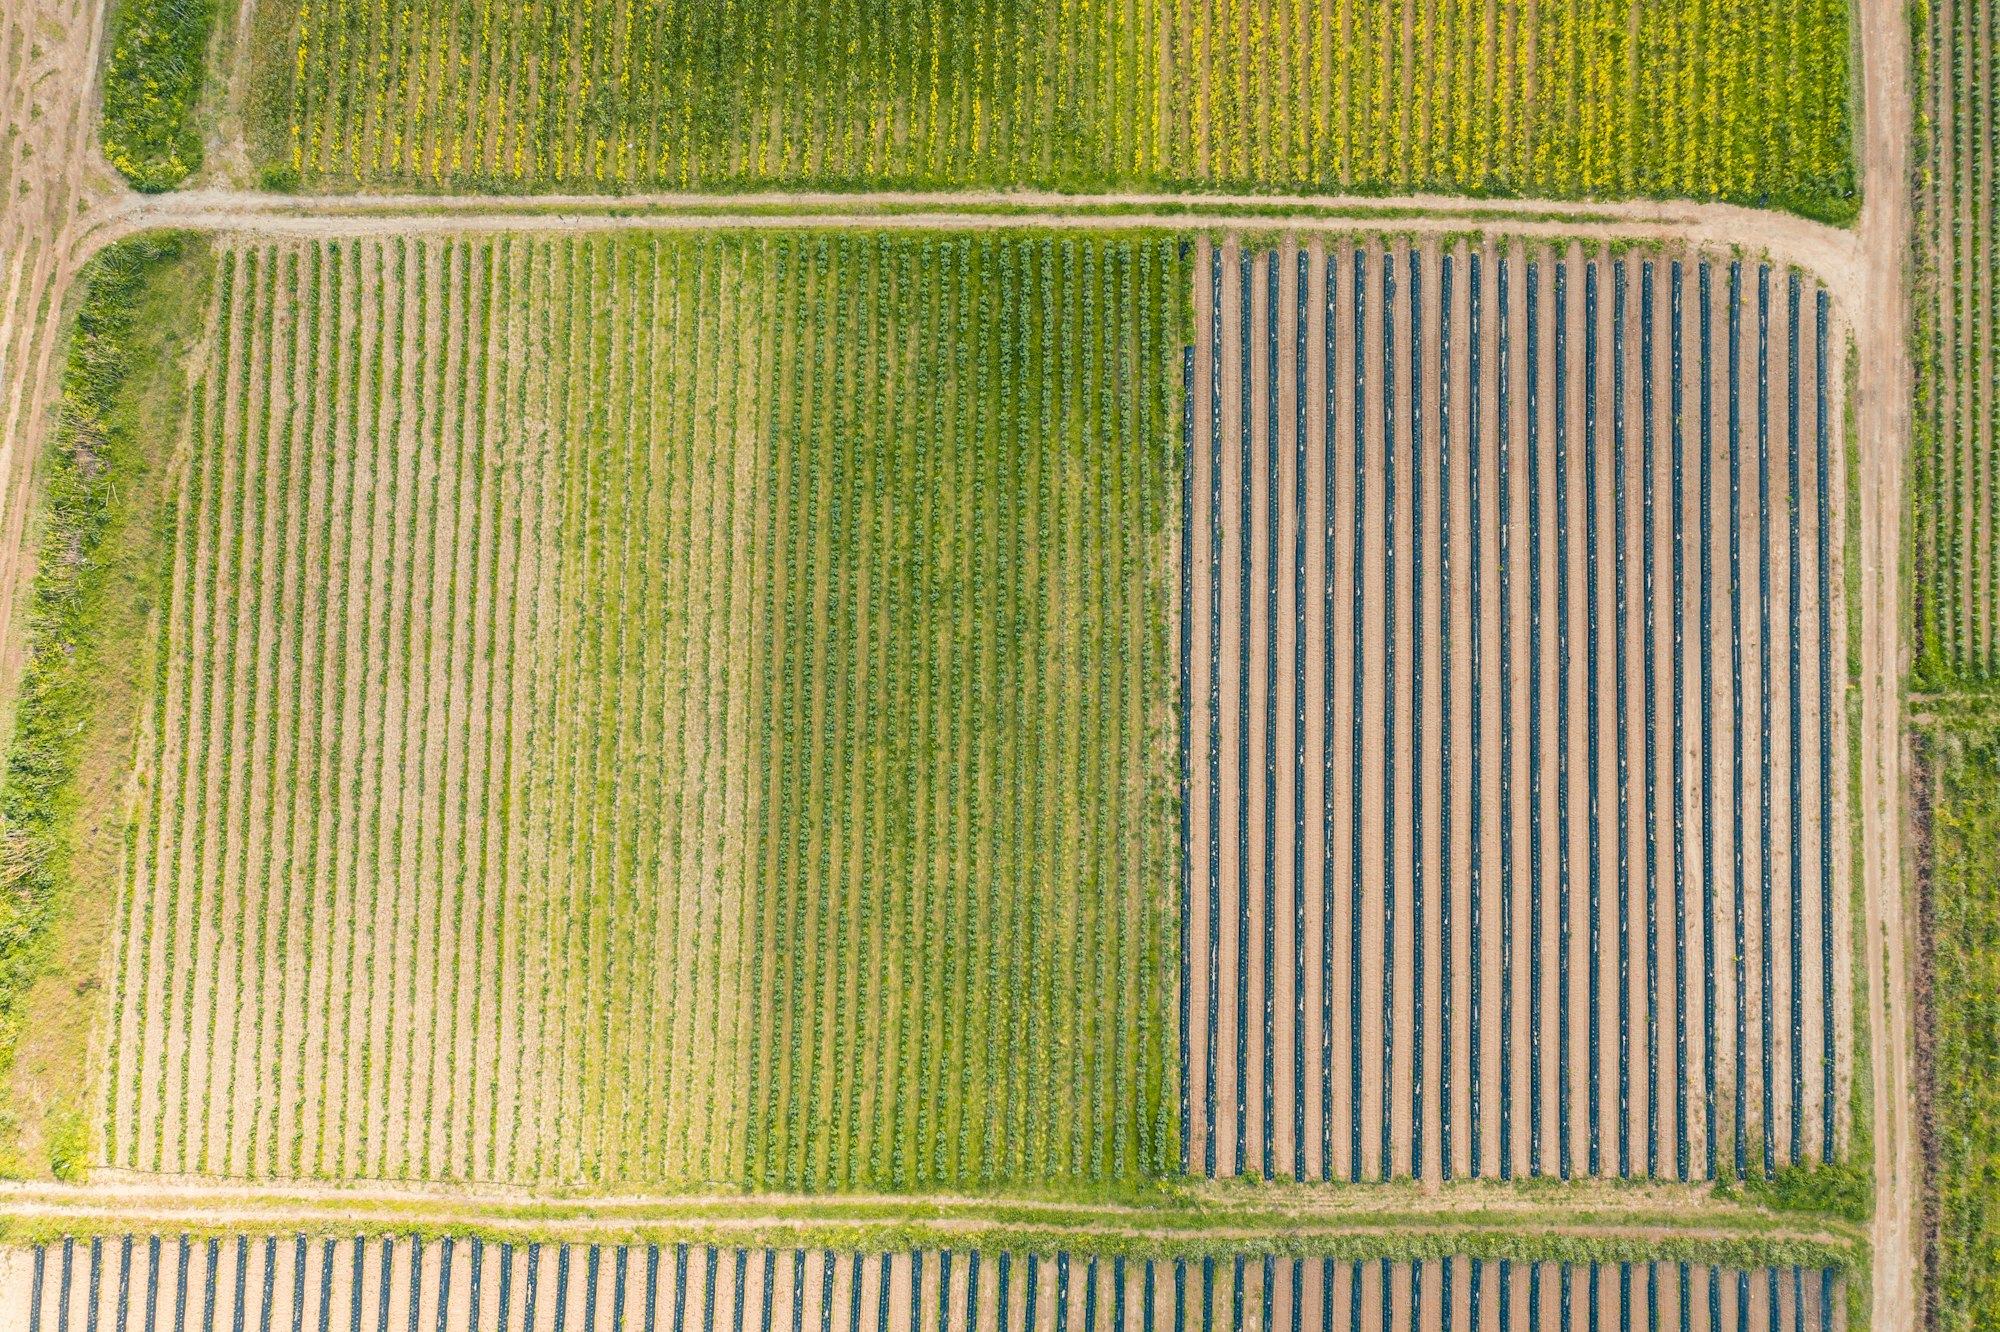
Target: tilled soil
1627,1101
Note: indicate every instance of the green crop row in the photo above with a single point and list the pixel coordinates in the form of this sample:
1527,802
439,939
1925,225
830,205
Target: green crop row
1961,913
1955,433
664,709
961,691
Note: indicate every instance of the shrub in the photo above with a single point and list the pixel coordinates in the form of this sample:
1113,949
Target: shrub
151,87
1842,1188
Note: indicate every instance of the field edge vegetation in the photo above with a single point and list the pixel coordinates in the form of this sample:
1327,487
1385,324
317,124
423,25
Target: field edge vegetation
104,518
1957,811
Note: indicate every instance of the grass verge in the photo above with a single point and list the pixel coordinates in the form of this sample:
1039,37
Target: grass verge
103,525
1959,984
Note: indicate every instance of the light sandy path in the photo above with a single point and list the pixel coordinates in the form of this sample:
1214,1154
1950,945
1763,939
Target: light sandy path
1882,410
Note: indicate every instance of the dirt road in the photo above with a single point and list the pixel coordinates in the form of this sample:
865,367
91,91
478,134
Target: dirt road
1882,411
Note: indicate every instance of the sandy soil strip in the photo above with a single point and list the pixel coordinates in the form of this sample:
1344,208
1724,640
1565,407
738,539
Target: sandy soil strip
1454,1012
1423,1125
1346,573
1231,1012
1511,480
1259,874
1379,706
1550,667
1411,656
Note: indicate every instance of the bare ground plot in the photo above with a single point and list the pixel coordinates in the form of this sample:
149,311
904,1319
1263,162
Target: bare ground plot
128,1282
1542,891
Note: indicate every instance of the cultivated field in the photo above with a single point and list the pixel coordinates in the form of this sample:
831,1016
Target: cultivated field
663,709
1595,97
1958,811
1956,444
1514,758
129,1282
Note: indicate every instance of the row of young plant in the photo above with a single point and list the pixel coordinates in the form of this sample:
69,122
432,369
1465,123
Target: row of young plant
1008,442
433,609
1664,1126
581,94
677,1287
1955,441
